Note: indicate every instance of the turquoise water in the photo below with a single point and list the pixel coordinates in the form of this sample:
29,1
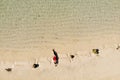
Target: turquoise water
30,23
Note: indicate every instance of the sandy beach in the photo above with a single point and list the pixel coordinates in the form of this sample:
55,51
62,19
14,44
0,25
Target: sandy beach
84,66
30,29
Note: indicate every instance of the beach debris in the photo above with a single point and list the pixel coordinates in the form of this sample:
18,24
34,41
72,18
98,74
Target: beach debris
35,65
55,58
72,56
95,51
8,69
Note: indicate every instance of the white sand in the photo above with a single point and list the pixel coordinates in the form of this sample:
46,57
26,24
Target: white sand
30,29
84,66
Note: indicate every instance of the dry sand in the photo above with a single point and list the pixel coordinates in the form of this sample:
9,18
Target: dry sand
85,66
30,29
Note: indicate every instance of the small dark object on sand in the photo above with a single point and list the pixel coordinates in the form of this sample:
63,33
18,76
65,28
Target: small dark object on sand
95,51
35,65
9,69
72,56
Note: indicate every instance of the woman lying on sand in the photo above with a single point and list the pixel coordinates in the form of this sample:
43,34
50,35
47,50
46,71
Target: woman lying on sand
55,58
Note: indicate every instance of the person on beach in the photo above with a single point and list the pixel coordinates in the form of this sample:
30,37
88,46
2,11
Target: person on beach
55,58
